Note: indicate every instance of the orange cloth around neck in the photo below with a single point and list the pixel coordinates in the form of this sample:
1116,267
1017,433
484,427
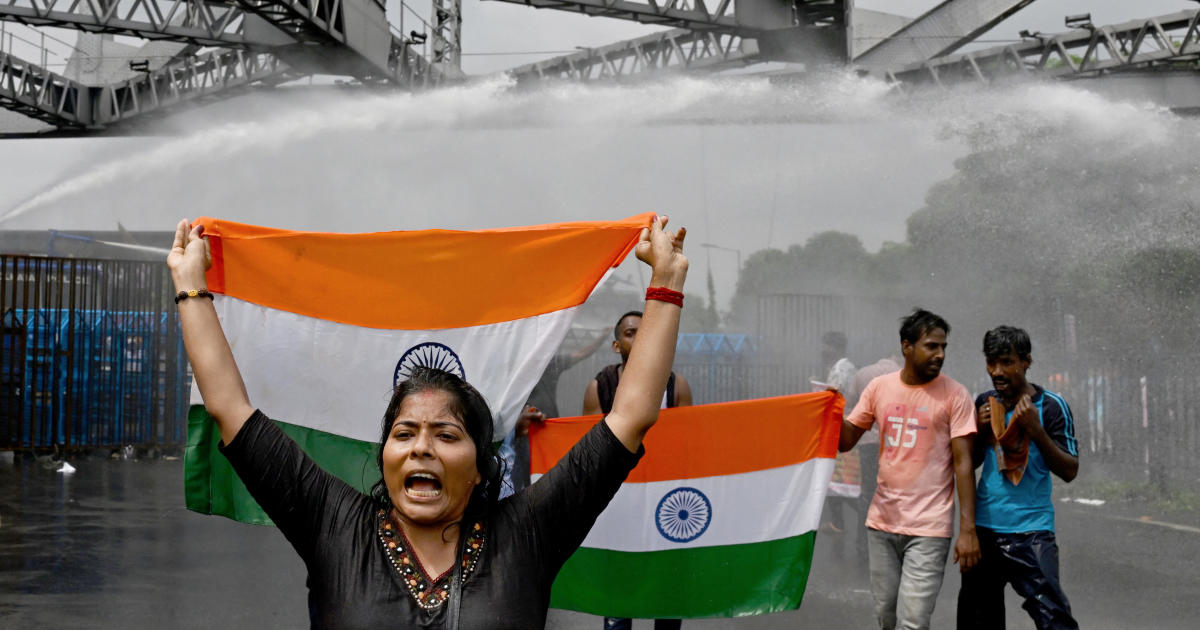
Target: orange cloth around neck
1012,443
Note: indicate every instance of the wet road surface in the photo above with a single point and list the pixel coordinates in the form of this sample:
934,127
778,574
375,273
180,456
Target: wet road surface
113,547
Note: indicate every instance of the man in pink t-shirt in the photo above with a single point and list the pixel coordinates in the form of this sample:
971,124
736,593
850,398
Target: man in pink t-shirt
926,425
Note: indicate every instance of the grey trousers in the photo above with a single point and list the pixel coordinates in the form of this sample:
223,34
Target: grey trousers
906,575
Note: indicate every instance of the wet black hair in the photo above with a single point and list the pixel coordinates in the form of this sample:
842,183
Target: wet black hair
920,322
617,326
1001,340
471,408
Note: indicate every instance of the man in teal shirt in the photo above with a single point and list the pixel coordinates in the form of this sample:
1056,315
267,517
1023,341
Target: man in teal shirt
1015,521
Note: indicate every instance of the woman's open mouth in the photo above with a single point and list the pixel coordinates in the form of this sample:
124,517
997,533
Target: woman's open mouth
422,485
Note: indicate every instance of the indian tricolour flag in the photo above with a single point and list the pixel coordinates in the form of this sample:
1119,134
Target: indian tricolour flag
324,325
717,520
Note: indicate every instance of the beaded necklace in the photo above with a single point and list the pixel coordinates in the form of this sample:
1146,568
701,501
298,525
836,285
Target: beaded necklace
429,593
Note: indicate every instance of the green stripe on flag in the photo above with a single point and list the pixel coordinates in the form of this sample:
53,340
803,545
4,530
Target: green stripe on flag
722,581
212,487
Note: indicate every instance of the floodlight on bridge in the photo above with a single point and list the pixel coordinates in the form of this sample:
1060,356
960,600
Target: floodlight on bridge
1079,20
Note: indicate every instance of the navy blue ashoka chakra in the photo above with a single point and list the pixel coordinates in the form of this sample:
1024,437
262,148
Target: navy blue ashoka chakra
428,354
683,515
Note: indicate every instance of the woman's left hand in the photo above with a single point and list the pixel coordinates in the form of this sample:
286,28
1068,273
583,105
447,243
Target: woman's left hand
663,251
190,256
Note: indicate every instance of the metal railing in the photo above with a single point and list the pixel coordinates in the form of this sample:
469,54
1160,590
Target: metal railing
90,355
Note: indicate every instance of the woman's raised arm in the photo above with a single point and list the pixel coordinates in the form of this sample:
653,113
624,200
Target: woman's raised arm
644,381
208,351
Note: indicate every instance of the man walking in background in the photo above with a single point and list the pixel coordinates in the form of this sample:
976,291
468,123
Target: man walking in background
926,422
1014,510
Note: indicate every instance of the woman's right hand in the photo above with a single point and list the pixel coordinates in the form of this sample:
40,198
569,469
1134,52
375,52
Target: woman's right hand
190,257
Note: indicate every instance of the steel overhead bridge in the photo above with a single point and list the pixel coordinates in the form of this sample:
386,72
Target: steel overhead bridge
191,21
715,36
254,42
673,50
70,106
708,37
345,37
217,48
688,14
1167,42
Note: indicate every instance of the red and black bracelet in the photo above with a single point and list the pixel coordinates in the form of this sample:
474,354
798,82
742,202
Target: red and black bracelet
664,294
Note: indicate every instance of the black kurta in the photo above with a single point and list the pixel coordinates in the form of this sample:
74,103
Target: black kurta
352,583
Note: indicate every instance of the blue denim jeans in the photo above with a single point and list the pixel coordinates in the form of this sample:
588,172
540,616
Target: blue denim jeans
906,575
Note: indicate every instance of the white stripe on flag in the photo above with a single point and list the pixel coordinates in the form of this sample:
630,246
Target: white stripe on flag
745,508
338,378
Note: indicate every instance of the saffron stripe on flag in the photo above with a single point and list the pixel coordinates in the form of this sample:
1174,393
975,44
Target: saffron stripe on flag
428,279
714,439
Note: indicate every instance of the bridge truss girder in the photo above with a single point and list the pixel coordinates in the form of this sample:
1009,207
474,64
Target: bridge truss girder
196,22
706,40
66,104
688,14
447,35
308,21
1159,41
309,34
673,50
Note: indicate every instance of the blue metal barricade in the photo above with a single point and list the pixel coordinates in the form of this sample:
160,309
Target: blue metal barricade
90,355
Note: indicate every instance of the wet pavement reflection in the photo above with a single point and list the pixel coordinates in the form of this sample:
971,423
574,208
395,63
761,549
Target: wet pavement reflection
112,546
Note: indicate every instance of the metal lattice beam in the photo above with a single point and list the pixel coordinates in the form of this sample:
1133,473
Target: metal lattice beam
211,76
311,21
940,31
676,49
689,14
319,26
324,22
447,35
196,22
52,98
1160,41
31,90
